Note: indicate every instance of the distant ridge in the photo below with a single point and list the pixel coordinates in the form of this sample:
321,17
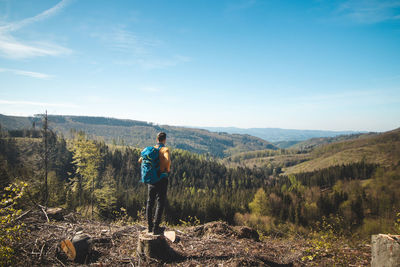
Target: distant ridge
378,148
281,135
141,134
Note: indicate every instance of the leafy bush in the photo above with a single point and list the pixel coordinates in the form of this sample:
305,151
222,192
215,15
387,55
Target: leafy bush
267,225
327,239
122,217
397,223
375,226
10,228
190,221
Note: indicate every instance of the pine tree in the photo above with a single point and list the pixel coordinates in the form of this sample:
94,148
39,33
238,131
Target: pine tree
259,205
87,158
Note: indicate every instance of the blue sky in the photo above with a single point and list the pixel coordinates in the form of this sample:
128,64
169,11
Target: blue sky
329,65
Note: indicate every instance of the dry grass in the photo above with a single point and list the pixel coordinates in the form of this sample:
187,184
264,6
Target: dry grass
382,149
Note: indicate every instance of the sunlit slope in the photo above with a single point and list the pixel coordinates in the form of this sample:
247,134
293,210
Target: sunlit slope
315,142
383,149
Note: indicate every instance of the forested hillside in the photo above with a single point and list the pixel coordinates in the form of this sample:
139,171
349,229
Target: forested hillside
82,170
140,134
346,189
199,186
382,149
321,153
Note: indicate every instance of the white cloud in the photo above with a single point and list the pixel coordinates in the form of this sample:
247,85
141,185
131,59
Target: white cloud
121,40
27,73
41,104
16,49
44,15
11,48
137,50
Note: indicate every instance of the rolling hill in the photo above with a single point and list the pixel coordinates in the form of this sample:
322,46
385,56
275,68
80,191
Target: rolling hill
319,153
318,141
277,135
141,134
379,148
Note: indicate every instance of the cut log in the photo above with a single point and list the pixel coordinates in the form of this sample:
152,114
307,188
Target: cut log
68,249
79,249
171,235
155,247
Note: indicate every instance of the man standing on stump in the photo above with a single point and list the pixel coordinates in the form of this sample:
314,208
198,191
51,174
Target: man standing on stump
155,168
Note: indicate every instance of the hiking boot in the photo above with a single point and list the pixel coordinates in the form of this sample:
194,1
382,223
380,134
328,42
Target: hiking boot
158,230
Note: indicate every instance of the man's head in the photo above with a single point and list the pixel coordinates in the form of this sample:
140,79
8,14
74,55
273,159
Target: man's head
162,137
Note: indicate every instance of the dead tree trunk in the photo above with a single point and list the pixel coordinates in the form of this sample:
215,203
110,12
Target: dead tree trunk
46,159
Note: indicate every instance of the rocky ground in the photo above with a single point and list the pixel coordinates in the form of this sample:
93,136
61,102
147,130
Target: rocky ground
212,244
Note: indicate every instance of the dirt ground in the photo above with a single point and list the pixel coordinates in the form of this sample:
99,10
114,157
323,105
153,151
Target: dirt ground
211,244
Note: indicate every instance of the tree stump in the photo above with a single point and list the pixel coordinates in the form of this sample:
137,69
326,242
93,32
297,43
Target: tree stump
385,250
55,214
155,247
82,244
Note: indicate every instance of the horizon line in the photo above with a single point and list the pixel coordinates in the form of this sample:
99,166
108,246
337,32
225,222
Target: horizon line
196,127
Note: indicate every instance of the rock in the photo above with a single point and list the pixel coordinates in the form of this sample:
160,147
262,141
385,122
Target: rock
222,229
385,250
247,232
215,229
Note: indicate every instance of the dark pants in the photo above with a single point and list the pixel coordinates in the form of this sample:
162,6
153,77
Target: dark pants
156,191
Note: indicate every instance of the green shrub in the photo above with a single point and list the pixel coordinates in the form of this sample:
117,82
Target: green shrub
326,240
397,223
267,225
375,226
190,221
10,228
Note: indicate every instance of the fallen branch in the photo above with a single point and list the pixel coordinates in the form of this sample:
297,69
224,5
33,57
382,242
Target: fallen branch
16,219
56,226
22,215
45,213
60,261
41,252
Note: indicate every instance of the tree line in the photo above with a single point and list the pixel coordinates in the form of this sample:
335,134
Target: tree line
101,180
